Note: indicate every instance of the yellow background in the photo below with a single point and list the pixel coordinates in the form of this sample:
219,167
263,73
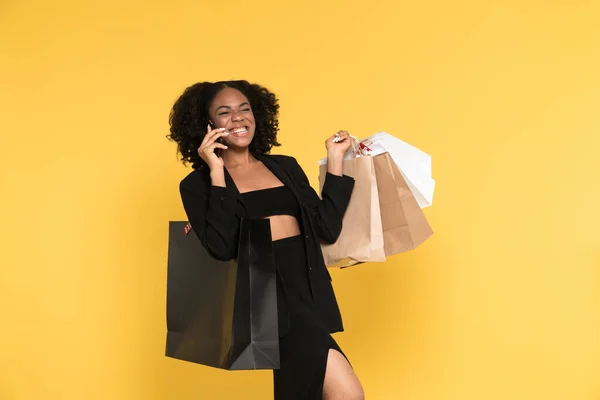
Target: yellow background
502,303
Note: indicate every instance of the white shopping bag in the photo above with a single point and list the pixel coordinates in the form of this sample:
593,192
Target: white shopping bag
414,164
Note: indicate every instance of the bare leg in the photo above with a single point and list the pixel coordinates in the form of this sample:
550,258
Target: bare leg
341,383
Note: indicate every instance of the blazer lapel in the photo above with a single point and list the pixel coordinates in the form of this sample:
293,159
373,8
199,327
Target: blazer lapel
233,190
230,183
281,173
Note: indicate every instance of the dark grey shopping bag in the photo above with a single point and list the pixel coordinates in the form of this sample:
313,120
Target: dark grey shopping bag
223,314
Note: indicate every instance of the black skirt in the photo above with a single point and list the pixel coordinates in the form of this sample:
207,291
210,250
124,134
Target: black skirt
306,342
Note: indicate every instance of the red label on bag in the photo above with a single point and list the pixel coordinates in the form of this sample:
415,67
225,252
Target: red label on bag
363,146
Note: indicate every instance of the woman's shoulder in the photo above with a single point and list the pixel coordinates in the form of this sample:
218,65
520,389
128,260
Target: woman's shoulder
284,160
195,179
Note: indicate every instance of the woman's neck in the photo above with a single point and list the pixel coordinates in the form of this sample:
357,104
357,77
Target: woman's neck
234,159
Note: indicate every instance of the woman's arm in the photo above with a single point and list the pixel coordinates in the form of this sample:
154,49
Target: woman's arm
211,214
327,212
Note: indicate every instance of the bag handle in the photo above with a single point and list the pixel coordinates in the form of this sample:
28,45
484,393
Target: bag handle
357,150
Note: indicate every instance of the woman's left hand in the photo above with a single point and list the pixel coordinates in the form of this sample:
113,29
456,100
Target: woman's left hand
336,148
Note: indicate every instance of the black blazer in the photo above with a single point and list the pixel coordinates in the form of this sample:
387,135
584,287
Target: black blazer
215,212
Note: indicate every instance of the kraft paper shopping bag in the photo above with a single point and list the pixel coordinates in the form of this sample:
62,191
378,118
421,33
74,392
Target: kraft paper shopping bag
361,238
397,221
404,225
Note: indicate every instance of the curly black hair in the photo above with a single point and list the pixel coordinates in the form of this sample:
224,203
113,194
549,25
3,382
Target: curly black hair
189,118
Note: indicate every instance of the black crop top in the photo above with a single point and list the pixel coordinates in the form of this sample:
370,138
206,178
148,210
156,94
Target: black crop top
264,203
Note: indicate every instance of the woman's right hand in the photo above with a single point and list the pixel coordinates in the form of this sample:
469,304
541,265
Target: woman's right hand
209,144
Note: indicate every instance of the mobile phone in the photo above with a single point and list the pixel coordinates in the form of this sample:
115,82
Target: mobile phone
219,139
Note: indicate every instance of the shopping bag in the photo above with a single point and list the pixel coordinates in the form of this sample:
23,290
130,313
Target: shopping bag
404,225
361,238
414,164
222,314
401,221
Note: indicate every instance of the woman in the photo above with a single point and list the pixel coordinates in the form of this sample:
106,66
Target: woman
226,131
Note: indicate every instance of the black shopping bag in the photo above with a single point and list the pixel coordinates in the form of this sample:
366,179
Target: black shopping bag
223,314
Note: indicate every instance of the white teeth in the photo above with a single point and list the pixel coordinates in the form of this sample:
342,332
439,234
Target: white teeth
239,130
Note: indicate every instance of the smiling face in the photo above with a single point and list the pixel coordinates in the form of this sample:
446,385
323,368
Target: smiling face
231,110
